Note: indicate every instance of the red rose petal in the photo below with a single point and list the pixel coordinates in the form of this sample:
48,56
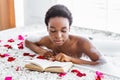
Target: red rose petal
2,56
10,59
40,57
11,40
75,71
18,68
26,54
98,78
62,74
78,73
8,46
20,45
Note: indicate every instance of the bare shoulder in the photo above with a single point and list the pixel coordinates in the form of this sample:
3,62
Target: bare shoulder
79,39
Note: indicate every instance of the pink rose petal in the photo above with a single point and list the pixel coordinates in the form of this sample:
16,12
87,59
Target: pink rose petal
20,37
99,75
8,78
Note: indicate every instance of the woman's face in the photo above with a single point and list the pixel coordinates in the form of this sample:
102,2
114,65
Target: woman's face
58,29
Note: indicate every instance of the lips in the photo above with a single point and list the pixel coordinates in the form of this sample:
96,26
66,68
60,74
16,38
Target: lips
58,41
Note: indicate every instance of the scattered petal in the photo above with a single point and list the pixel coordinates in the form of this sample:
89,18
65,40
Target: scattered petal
99,75
11,40
4,55
62,74
28,54
20,37
8,78
75,71
18,68
78,73
20,45
10,59
40,57
8,46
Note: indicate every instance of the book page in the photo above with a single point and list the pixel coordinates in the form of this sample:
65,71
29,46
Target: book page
59,66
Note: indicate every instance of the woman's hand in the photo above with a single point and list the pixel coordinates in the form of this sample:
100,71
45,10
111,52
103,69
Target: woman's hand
62,57
48,55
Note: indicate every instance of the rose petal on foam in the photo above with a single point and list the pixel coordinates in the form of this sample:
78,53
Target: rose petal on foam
17,68
28,54
8,46
40,57
20,37
2,56
20,45
11,40
62,74
10,59
99,75
75,71
8,78
78,73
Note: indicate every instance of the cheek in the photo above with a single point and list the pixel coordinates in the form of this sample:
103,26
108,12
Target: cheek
51,36
65,36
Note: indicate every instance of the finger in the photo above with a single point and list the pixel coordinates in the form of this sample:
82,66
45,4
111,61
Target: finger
58,58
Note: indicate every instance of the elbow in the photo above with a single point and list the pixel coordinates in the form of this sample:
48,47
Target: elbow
27,43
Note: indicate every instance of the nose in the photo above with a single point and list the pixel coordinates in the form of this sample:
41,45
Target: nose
59,35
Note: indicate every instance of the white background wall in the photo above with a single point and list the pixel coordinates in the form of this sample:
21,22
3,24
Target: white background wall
34,10
19,12
95,14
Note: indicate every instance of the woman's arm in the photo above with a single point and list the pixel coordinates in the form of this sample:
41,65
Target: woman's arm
35,47
64,58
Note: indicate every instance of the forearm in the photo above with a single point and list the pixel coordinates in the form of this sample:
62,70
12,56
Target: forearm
81,61
35,48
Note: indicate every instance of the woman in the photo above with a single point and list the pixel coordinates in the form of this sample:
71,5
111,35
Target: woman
61,45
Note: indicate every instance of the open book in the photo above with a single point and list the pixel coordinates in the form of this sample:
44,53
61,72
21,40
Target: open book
48,66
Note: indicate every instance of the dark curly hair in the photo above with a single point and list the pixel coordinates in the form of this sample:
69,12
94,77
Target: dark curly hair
58,11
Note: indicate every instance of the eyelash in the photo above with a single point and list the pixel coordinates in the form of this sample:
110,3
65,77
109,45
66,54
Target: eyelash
61,31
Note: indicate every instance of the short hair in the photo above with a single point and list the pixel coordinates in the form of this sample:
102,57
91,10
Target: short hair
58,11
